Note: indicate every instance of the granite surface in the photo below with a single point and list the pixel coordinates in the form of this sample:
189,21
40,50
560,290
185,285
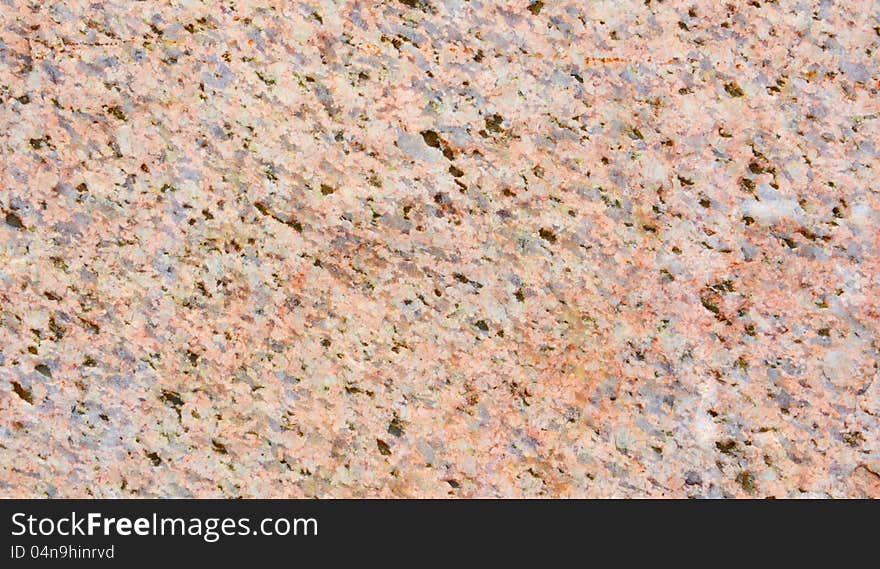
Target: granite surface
432,248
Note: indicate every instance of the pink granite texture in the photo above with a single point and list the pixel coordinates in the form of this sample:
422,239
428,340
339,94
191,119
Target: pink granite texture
433,248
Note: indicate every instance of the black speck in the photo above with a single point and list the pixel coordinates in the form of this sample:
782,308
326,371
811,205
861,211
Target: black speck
422,5
291,222
23,392
219,447
547,235
756,168
692,478
634,133
727,446
746,480
57,330
733,89
383,447
44,369
154,458
171,398
709,305
789,242
395,427
493,123
431,138
12,220
117,113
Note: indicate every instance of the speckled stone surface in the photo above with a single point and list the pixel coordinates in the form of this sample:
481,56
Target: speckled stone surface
428,249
